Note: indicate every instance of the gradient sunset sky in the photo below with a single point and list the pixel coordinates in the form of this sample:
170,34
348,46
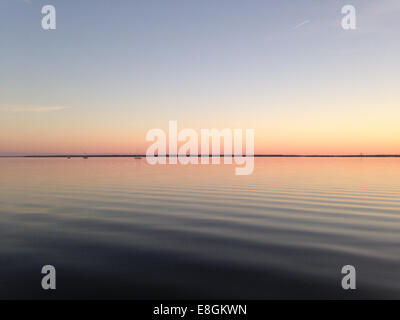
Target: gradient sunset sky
112,70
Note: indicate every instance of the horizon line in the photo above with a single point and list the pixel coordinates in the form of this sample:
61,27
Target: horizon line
206,155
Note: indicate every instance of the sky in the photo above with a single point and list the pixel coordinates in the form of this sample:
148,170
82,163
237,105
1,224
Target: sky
112,70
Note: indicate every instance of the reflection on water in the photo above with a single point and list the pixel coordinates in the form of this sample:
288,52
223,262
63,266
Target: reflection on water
119,228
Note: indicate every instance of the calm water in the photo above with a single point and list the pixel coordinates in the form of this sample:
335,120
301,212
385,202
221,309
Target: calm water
119,228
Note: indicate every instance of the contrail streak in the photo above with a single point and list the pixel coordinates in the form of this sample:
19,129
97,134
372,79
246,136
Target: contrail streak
301,24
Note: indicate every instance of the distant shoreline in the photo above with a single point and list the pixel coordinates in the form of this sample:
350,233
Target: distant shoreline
255,156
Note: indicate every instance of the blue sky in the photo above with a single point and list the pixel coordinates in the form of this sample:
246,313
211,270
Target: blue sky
119,68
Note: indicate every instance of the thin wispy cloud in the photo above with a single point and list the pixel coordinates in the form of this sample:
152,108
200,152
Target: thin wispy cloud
301,24
32,109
